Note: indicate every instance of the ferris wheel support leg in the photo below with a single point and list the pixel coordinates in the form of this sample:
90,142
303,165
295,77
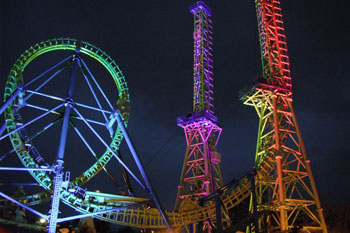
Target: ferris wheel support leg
57,182
142,170
58,179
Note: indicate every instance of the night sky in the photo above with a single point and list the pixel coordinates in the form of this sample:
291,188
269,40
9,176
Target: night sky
152,43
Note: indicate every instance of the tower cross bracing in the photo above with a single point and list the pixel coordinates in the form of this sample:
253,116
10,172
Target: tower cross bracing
201,172
202,59
285,185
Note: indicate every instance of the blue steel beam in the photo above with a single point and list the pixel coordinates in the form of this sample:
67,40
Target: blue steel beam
142,170
24,206
25,169
47,71
31,121
93,92
57,181
110,149
2,129
99,212
96,83
10,100
45,82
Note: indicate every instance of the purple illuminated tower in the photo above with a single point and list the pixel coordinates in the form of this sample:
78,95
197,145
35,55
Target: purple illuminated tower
201,172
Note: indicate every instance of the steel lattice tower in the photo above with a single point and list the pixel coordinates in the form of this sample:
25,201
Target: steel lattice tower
201,172
286,189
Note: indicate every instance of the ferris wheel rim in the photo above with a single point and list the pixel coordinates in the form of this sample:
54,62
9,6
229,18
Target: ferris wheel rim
15,80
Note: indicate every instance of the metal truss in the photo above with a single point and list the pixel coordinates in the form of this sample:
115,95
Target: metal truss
202,58
274,57
284,184
18,96
201,174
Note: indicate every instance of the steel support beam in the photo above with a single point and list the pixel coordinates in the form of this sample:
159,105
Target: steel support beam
58,179
142,170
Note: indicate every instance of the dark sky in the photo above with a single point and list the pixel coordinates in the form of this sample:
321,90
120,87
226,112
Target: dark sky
152,43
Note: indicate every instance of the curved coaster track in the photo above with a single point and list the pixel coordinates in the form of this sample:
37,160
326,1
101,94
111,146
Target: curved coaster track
119,209
283,170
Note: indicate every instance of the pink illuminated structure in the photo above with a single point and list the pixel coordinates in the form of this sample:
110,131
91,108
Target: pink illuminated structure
201,174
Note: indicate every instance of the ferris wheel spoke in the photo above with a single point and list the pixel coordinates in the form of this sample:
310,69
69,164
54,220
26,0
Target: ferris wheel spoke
93,92
88,120
48,70
103,111
82,138
6,154
17,92
96,83
45,95
93,152
42,109
45,82
46,127
63,99
31,121
109,149
73,116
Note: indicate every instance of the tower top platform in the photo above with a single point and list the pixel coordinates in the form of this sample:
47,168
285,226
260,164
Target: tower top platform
199,116
200,5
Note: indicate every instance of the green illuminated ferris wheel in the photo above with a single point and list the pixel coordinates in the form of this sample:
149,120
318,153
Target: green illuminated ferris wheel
34,106
19,91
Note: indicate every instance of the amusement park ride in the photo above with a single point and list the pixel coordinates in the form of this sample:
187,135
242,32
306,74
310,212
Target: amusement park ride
281,188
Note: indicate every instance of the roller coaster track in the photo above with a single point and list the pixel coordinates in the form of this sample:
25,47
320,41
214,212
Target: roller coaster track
140,215
145,217
24,149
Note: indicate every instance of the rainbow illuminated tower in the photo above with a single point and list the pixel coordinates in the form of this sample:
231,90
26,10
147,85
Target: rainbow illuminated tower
286,190
201,172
